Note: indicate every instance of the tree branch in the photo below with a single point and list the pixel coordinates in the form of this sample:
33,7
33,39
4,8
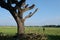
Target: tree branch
30,14
28,8
12,1
7,6
20,3
3,5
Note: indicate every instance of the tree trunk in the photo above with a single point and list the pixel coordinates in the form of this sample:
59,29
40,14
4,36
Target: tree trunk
20,26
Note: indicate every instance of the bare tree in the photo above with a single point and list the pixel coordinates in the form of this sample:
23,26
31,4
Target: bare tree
18,15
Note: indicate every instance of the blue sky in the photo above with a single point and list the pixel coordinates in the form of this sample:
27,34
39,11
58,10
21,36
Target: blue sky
48,14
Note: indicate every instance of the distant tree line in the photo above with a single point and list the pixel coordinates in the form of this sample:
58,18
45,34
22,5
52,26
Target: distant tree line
45,26
51,26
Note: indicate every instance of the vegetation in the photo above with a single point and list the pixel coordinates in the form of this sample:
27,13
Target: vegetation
48,30
51,26
51,32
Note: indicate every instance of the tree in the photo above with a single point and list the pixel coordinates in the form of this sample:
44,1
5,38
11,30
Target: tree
18,15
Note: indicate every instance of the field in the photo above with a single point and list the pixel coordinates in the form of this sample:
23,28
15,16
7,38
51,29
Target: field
51,32
48,30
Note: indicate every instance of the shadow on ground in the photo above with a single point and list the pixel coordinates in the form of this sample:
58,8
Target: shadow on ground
30,36
53,37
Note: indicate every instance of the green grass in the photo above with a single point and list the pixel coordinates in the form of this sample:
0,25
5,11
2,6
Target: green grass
48,30
8,30
51,32
33,29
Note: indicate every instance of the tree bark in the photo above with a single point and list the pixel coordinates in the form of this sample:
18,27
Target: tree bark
18,19
20,26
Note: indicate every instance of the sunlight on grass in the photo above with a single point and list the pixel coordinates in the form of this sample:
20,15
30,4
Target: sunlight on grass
48,30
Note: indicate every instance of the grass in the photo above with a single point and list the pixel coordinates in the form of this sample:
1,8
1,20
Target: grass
48,30
51,32
8,30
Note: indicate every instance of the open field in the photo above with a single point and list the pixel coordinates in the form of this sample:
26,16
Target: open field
48,30
51,32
